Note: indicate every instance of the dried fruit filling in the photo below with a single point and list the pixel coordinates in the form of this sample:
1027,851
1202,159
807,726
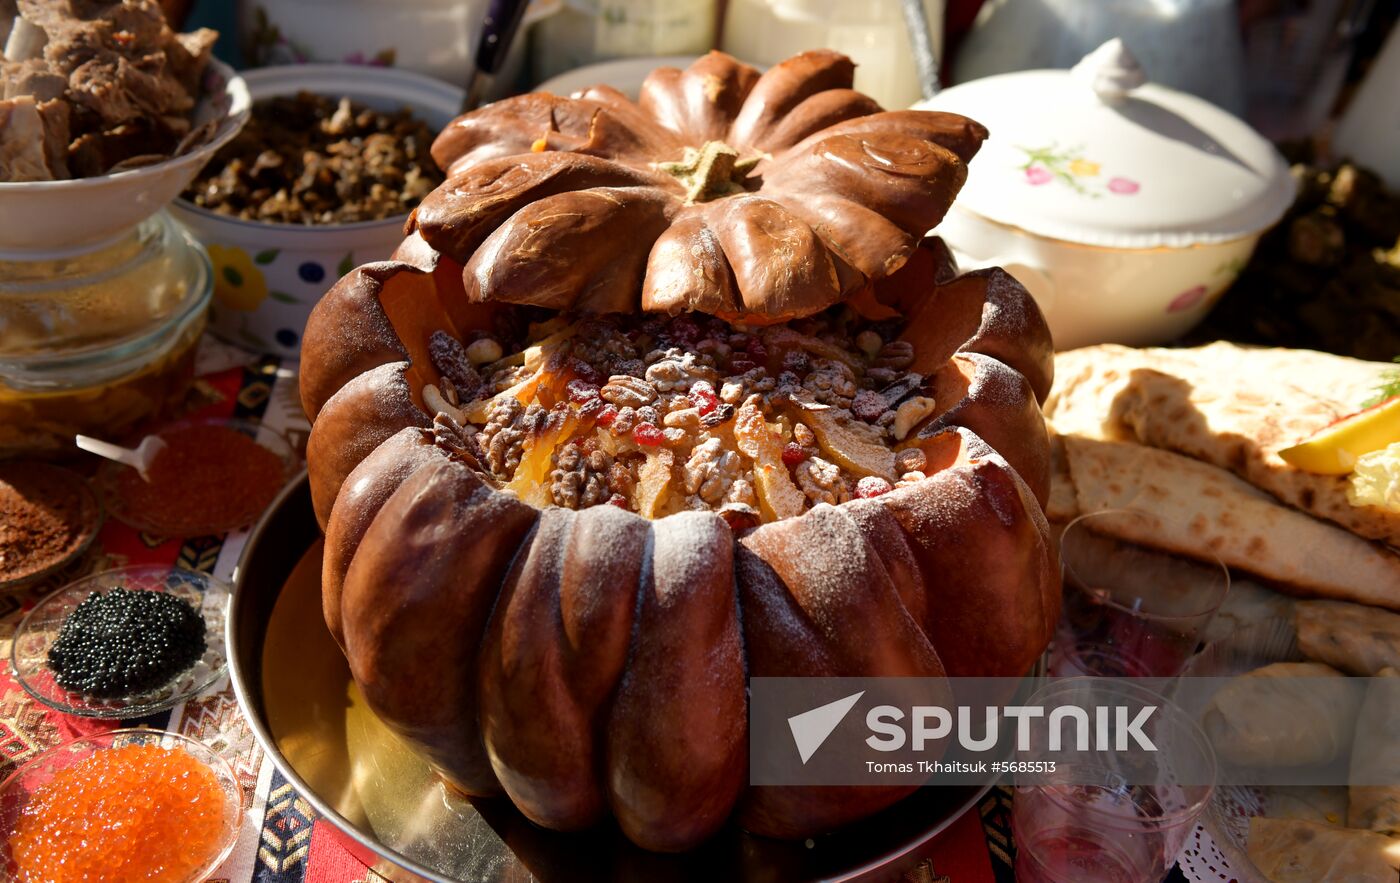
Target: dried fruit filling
139,812
660,415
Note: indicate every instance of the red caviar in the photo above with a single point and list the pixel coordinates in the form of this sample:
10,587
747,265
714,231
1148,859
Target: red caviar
139,812
207,479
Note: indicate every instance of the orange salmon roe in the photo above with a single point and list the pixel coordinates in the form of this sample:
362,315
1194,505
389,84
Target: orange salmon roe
140,812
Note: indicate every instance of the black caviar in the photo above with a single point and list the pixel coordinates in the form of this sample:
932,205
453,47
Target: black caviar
123,643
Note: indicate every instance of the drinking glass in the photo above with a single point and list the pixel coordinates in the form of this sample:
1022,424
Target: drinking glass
1114,816
1130,610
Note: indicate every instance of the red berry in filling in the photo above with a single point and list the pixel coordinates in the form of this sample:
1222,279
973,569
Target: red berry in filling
868,405
619,501
793,453
702,395
581,391
592,408
607,415
872,486
647,434
684,330
586,372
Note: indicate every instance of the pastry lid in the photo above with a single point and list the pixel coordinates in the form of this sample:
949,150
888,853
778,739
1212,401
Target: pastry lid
1097,155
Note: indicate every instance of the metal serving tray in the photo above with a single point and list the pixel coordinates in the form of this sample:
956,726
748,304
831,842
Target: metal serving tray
295,688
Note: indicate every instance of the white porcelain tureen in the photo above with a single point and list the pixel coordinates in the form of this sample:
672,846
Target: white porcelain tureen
1125,207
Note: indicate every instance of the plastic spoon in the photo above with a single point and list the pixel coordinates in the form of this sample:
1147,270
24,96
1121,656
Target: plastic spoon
139,458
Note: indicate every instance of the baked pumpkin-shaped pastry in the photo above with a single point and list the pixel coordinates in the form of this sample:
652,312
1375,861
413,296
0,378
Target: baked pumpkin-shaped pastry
660,396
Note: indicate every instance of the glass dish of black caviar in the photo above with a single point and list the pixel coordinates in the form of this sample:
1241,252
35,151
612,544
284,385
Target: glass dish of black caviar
124,643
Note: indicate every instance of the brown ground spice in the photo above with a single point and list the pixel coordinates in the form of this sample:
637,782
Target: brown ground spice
47,514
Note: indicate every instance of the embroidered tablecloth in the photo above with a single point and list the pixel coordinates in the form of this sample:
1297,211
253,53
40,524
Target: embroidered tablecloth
281,840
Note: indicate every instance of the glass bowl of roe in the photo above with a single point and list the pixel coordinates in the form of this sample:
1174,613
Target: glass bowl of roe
119,806
42,627
214,475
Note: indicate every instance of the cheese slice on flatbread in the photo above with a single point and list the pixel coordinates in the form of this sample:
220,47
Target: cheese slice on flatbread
1234,407
1203,509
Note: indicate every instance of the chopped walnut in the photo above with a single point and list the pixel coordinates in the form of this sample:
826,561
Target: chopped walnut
831,383
503,437
622,475
580,477
458,440
897,354
675,370
711,471
627,391
821,481
755,380
803,435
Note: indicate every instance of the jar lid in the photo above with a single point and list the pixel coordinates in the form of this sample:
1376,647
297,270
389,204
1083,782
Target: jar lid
1097,155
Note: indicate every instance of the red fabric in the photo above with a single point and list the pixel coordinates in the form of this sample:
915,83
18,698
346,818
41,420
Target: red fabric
328,861
960,853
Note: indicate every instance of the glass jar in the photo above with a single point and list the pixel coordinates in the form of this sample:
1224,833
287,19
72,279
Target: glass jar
98,341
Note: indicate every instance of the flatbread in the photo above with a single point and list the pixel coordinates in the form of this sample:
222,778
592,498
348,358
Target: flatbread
1249,602
1374,799
1286,714
1234,407
1298,851
1358,640
1201,508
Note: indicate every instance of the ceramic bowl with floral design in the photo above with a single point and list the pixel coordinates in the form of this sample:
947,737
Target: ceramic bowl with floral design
1126,208
268,276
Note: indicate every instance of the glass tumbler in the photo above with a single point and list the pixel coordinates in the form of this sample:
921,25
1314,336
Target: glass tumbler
1111,816
1130,610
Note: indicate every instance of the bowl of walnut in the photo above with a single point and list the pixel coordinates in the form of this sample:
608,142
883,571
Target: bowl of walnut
322,179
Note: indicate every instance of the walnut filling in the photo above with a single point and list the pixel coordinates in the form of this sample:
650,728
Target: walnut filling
658,415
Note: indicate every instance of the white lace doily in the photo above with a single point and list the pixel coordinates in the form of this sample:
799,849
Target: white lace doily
1202,860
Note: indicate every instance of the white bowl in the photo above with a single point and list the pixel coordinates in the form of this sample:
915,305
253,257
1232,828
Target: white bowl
625,75
268,276
51,218
1126,208
433,37
1091,294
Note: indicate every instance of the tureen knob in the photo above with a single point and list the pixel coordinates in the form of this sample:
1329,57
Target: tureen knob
1110,70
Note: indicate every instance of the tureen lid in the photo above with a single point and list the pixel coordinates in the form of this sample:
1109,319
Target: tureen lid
1099,156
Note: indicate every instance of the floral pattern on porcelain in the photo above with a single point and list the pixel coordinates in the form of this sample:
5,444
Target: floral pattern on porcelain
264,316
1195,294
1045,165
